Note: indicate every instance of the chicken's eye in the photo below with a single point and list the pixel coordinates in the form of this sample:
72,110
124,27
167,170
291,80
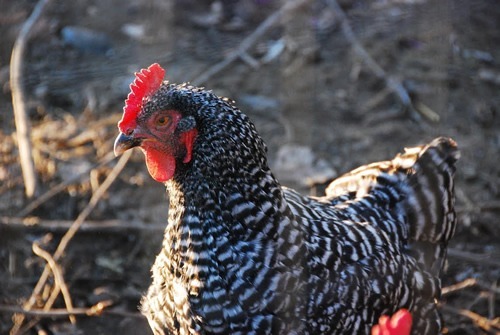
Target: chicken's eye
162,120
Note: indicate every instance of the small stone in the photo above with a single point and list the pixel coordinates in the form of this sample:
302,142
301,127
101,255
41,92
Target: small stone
86,40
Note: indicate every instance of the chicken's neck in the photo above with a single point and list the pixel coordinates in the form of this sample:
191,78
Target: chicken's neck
213,215
228,190
222,206
229,225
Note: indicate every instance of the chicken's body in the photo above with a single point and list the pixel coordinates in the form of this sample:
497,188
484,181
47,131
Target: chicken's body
243,255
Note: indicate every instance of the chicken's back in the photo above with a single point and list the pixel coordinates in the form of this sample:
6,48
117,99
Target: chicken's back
377,240
423,176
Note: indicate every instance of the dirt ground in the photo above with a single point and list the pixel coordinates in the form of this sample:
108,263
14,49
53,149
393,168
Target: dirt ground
317,102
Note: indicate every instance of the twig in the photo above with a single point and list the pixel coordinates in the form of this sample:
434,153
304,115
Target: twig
112,226
483,259
375,100
487,206
18,106
58,278
70,233
482,322
392,83
62,186
459,286
249,41
485,286
491,300
427,112
97,309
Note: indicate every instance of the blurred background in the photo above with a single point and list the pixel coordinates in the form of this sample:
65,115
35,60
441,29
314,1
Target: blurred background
330,85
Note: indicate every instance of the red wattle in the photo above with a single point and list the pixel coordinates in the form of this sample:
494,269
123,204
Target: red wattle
187,138
161,166
399,324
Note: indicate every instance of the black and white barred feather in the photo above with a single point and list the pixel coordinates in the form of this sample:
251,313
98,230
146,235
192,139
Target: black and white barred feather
243,255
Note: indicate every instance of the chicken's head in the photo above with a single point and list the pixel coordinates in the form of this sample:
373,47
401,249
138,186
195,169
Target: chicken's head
151,122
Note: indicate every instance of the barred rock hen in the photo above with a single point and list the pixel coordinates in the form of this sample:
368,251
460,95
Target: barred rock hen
244,255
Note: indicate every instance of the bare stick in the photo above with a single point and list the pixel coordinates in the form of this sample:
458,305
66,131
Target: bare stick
486,206
249,41
491,300
469,283
62,186
18,98
459,286
393,84
58,278
96,310
70,233
479,320
111,226
484,259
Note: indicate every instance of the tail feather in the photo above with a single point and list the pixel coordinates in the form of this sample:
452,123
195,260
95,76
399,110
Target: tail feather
424,177
430,203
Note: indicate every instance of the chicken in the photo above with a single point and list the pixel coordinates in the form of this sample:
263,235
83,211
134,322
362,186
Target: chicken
243,255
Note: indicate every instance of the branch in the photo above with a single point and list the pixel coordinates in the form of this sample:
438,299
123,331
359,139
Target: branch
469,282
249,41
479,320
459,286
62,186
482,259
491,299
487,206
94,200
18,106
60,284
96,310
111,226
393,84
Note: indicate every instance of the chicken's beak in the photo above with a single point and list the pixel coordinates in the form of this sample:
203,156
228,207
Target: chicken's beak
124,142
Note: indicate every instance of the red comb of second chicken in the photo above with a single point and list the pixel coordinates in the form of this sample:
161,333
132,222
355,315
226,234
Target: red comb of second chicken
399,324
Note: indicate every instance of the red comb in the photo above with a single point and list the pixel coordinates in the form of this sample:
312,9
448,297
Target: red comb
399,324
146,82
